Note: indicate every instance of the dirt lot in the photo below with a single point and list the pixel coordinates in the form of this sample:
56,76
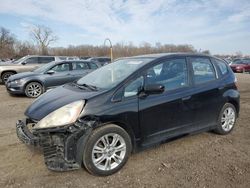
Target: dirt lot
204,160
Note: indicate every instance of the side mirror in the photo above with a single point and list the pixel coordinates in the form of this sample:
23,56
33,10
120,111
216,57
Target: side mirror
154,89
50,72
24,63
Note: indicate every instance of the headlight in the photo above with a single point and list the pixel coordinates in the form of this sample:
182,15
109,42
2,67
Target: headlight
63,116
18,82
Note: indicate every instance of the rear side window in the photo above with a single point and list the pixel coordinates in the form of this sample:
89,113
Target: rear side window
203,70
93,65
79,66
222,66
46,59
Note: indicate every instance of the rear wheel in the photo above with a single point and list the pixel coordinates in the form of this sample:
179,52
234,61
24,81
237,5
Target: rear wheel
6,75
227,119
107,150
33,89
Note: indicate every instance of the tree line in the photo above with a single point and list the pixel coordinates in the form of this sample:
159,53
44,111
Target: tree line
42,37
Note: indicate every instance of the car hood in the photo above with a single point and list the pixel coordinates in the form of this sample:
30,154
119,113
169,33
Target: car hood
56,98
22,75
4,64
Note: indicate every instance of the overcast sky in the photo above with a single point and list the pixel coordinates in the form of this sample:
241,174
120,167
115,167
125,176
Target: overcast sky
221,26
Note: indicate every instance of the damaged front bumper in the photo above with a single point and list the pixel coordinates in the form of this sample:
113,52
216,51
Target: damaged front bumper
62,147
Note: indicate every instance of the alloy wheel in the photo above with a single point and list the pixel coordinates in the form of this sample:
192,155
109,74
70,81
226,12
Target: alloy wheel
34,89
6,76
228,119
109,152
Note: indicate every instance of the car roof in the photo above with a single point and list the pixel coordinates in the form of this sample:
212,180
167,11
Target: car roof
70,61
159,55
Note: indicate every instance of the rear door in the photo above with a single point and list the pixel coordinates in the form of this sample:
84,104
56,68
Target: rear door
206,98
79,69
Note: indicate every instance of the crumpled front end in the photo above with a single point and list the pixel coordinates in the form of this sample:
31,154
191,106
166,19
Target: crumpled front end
60,146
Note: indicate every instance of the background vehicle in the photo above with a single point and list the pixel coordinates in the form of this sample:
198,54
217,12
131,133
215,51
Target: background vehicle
27,63
53,74
100,60
241,65
84,57
128,105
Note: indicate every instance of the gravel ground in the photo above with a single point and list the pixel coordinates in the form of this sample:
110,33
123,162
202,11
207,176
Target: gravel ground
203,160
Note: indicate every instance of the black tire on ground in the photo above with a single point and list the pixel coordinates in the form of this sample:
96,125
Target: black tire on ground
37,89
95,138
222,129
6,75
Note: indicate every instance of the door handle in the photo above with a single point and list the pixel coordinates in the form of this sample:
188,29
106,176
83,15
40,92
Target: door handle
186,98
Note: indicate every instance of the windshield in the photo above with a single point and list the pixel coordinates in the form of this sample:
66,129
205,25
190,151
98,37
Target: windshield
112,74
19,60
44,68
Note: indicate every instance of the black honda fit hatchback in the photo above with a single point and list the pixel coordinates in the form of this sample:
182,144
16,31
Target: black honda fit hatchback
129,105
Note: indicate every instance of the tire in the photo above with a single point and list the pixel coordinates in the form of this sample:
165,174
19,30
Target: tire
6,75
106,154
226,120
33,89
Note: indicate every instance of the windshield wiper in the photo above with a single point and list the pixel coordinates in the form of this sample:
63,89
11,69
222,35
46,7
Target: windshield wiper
82,86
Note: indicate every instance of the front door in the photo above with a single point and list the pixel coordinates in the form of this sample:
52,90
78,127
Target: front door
61,75
166,114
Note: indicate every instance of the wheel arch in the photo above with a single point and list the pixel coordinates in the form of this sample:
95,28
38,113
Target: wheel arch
35,80
81,142
233,96
13,71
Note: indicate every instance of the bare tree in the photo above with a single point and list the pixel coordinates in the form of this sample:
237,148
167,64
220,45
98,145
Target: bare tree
7,41
43,36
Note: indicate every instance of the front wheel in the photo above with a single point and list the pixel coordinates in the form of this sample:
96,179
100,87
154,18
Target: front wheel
6,75
107,150
226,119
33,89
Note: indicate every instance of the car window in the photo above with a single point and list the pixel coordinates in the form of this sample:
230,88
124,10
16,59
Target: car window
93,65
32,60
132,89
79,66
46,59
171,73
246,61
61,67
222,66
203,70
